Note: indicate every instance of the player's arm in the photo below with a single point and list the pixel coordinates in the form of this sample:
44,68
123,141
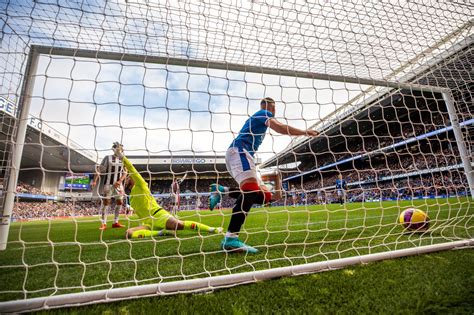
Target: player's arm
182,178
99,169
132,171
96,177
122,178
289,130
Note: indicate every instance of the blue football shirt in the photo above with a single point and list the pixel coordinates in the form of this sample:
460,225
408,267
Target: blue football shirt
341,184
253,132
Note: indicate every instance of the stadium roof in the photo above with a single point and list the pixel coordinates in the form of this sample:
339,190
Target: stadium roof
45,148
457,73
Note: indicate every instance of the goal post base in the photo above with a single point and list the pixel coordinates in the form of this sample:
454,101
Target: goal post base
216,282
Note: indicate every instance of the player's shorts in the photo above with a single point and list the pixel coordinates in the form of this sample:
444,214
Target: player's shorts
158,220
240,164
340,193
110,191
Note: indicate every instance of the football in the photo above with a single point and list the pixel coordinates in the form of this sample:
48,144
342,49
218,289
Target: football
414,219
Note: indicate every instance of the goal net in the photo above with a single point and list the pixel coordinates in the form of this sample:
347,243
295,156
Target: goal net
387,85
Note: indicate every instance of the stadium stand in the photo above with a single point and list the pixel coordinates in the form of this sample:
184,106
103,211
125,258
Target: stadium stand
400,139
388,143
42,210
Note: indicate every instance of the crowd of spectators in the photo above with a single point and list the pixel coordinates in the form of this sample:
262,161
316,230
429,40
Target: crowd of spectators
190,185
29,210
390,164
391,134
367,176
449,183
308,192
24,188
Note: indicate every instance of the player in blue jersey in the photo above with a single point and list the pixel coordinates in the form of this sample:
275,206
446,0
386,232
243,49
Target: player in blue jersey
293,195
241,165
341,187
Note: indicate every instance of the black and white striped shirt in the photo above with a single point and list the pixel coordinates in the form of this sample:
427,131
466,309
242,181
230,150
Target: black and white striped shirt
111,169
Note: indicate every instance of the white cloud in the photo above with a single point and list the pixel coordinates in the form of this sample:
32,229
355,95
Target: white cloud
97,102
151,108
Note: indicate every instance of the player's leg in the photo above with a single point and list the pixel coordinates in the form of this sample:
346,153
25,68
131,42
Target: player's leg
164,220
173,199
242,168
174,224
176,205
144,231
104,206
104,209
118,196
217,192
118,206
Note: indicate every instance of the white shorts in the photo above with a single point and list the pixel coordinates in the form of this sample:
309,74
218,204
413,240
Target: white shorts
240,164
110,191
340,193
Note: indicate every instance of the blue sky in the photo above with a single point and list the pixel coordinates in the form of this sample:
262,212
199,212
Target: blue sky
159,109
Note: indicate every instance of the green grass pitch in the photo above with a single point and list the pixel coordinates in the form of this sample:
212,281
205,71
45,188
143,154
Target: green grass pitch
63,256
437,283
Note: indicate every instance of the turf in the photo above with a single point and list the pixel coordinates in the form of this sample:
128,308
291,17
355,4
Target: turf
54,257
440,283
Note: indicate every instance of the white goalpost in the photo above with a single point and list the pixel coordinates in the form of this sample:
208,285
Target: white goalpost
387,86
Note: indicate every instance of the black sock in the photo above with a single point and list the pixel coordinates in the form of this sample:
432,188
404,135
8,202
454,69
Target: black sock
234,192
243,204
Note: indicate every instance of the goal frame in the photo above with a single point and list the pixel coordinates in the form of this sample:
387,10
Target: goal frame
210,283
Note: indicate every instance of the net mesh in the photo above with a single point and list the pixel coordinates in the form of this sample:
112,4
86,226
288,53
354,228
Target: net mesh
395,148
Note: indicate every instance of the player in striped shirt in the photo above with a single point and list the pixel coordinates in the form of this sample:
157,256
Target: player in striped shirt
154,219
111,174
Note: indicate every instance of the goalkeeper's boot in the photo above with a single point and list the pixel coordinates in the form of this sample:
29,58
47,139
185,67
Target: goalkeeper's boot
217,187
234,245
214,199
215,196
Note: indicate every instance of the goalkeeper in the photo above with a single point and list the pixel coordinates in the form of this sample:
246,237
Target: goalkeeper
155,219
